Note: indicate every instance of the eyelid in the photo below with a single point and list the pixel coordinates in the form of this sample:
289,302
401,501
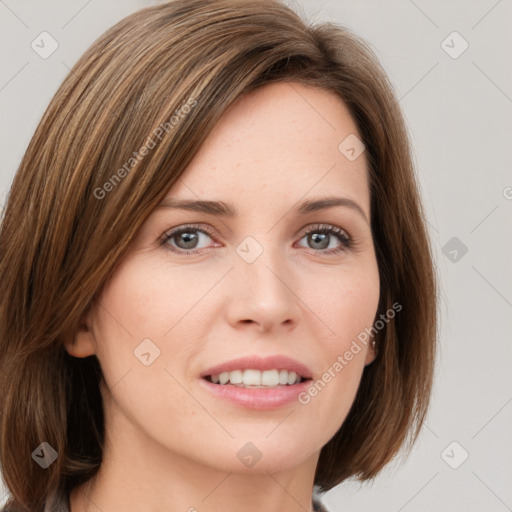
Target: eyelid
345,238
323,227
183,227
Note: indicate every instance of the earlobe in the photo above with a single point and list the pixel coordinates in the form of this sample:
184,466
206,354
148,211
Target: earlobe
371,354
82,344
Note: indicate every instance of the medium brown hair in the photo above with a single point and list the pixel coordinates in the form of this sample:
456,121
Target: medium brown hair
60,241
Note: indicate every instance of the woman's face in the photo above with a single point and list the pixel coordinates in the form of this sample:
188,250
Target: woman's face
267,281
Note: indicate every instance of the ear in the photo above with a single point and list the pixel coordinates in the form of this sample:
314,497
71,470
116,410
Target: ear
82,343
371,353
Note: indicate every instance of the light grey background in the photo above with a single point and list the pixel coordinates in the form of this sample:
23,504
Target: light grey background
458,112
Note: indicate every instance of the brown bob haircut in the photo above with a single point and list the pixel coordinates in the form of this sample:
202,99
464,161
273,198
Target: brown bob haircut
60,241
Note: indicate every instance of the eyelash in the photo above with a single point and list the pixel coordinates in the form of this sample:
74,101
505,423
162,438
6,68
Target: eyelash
347,242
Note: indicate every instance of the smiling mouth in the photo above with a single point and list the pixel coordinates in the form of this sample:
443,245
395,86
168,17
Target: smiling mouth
256,379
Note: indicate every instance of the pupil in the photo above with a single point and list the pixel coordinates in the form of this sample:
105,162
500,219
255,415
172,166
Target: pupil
189,239
322,237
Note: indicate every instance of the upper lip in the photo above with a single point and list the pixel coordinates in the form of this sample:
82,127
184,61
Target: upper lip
278,362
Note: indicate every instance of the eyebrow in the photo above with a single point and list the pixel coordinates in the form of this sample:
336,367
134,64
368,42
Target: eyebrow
223,209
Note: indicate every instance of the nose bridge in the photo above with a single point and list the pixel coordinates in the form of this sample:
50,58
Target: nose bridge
261,276
260,258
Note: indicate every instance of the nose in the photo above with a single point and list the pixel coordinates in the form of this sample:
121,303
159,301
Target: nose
262,295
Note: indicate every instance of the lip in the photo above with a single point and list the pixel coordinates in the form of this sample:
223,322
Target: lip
257,398
277,362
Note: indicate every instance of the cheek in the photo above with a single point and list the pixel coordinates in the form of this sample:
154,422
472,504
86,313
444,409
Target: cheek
148,326
147,300
130,314
348,309
346,301
139,330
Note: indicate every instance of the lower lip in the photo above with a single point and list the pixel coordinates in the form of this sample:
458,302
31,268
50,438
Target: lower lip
257,398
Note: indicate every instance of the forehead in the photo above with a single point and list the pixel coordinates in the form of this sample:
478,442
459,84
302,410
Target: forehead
281,140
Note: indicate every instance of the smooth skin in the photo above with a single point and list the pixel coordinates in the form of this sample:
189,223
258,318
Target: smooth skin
171,445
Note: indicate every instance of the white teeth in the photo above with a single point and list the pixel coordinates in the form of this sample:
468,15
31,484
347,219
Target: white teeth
252,378
270,378
292,377
257,378
236,377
